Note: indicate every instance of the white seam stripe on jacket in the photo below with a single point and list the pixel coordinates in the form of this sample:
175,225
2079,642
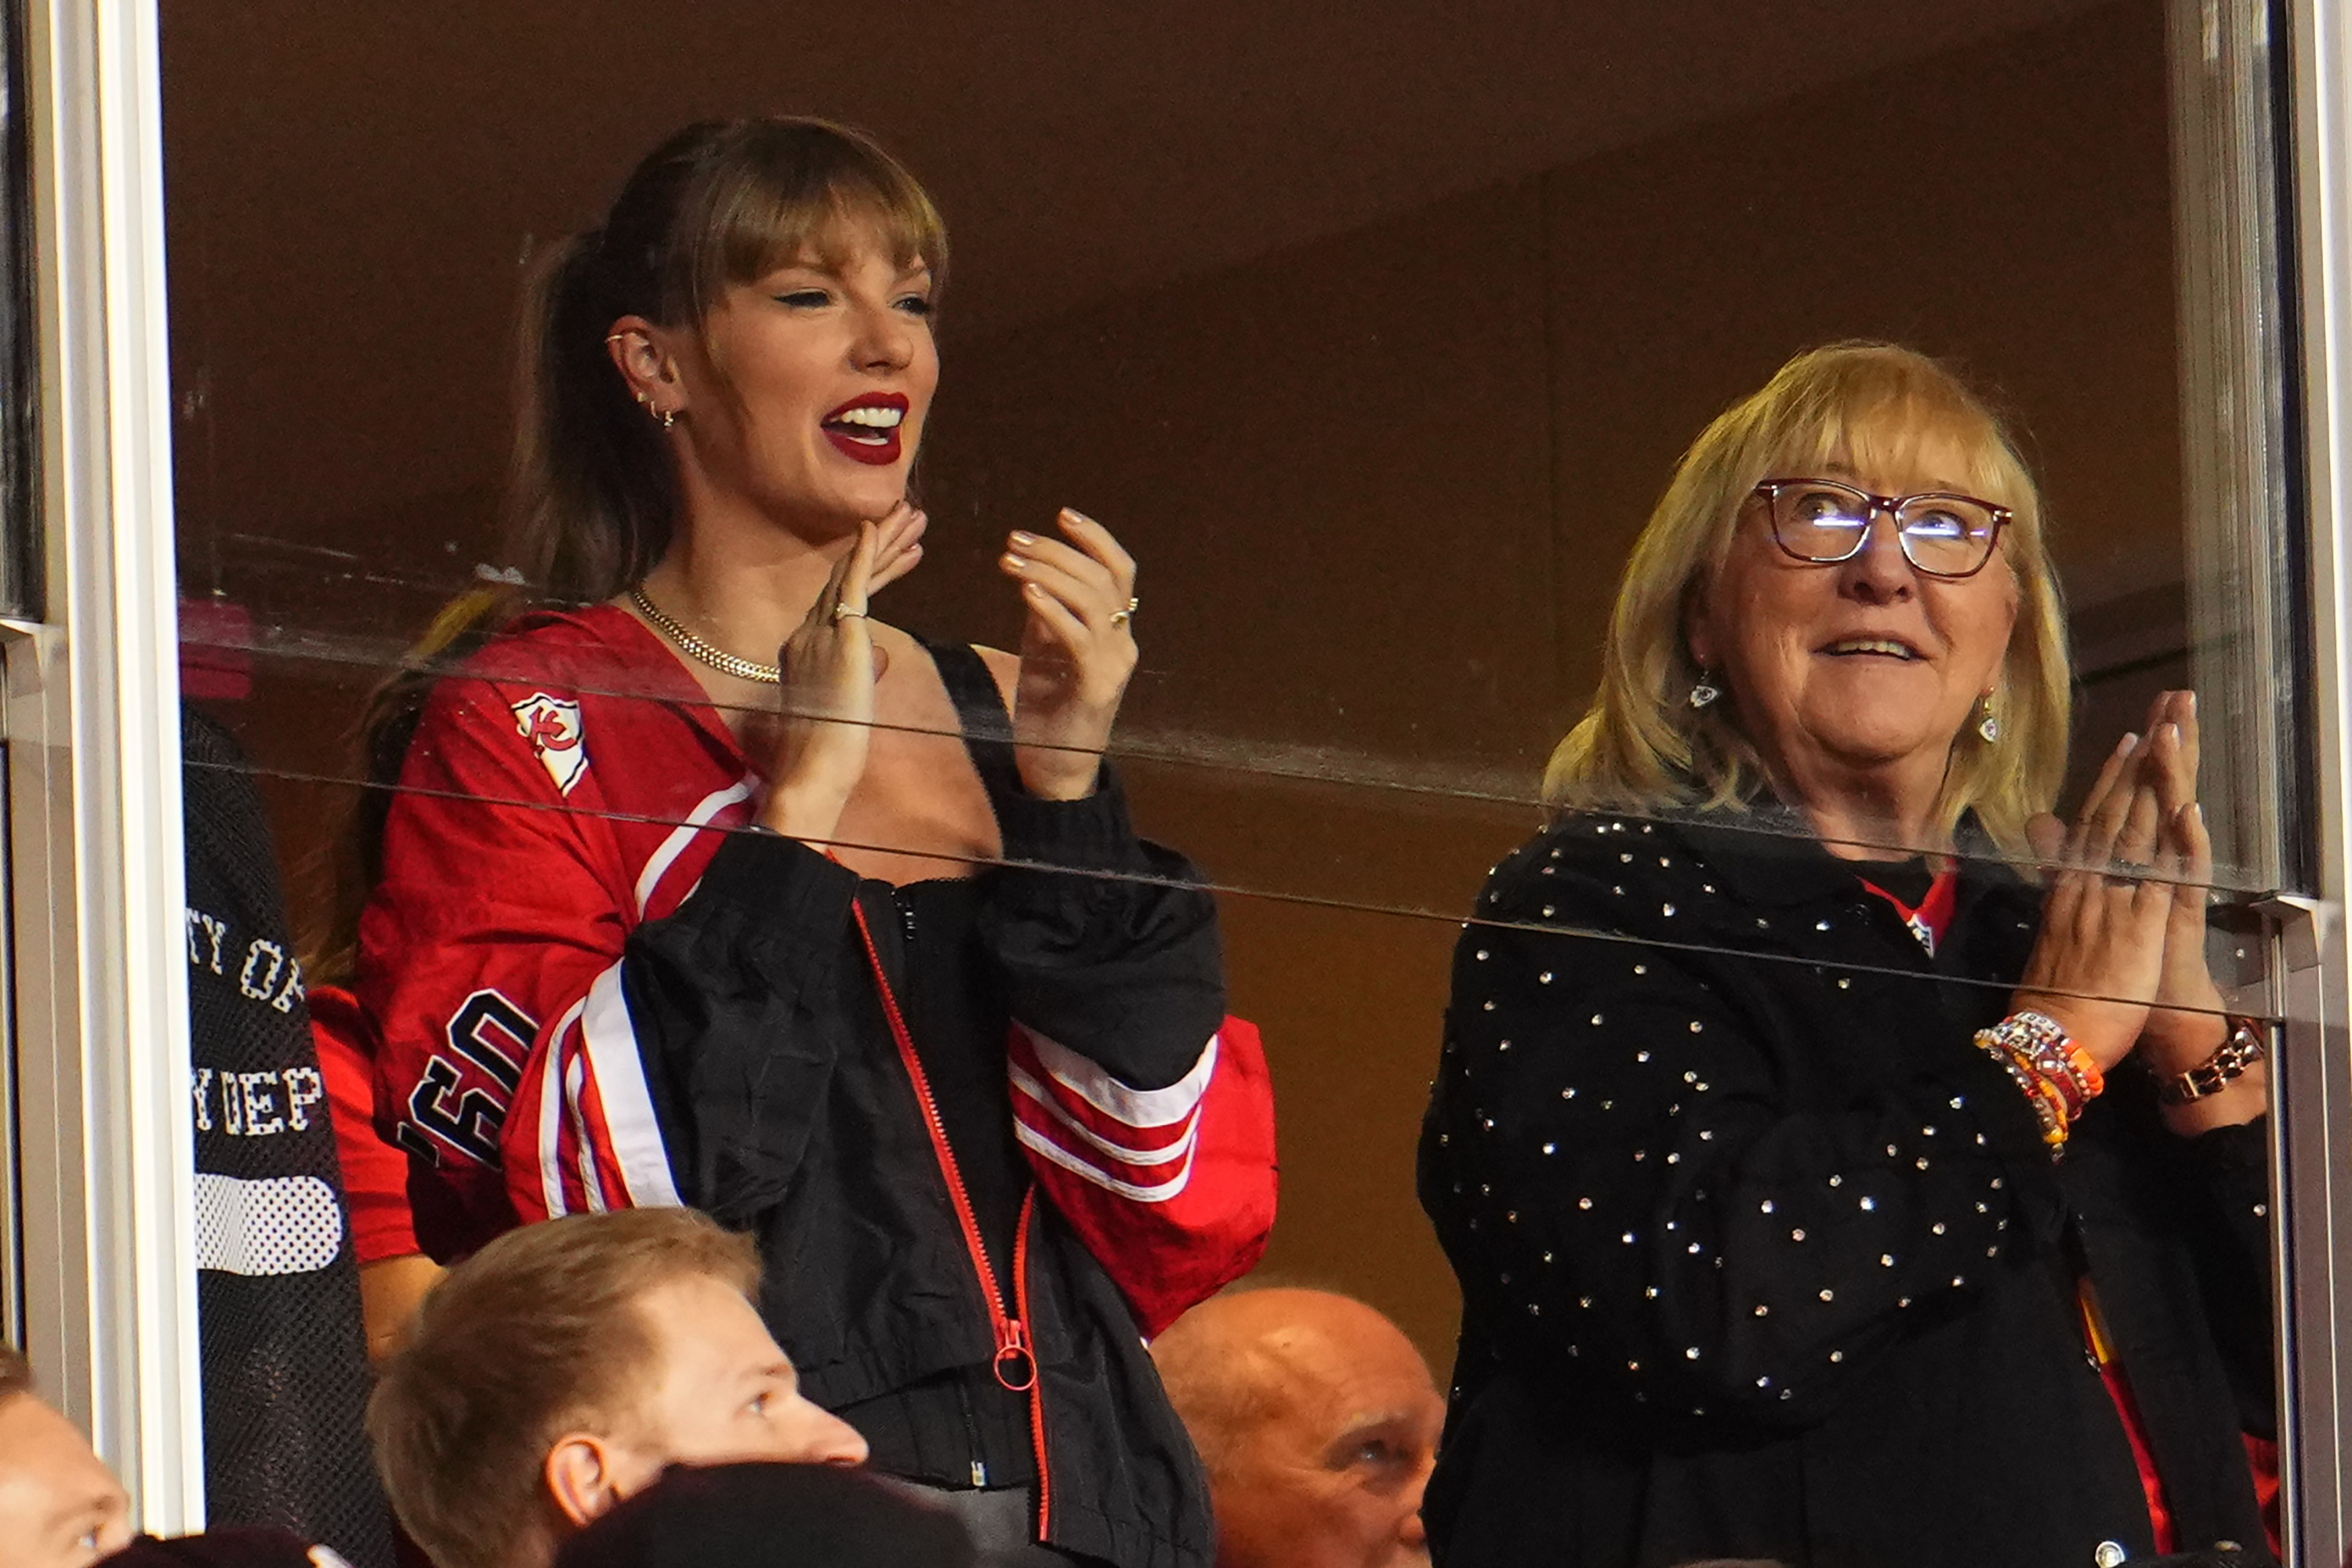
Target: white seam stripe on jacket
1137,1107
1119,1151
1159,1193
630,1129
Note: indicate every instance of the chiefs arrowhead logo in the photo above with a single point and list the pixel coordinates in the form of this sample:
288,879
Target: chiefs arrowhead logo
552,726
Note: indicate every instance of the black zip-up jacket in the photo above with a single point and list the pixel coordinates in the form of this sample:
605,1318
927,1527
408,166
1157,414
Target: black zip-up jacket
595,987
1762,1257
869,1284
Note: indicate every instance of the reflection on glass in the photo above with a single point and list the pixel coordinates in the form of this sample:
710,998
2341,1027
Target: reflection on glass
20,534
1379,378
1799,1180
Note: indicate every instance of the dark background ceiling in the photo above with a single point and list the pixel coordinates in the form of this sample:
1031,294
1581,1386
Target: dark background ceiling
351,188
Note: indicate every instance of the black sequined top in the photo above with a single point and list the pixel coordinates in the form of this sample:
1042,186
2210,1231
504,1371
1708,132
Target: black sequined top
1762,1257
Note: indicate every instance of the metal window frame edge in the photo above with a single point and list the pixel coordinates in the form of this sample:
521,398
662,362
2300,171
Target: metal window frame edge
97,893
2312,1084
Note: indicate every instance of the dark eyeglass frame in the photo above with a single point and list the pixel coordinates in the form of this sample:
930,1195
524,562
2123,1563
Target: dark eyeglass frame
1767,492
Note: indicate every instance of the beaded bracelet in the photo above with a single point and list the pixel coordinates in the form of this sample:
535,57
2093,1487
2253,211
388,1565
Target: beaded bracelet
2057,1077
2040,1045
2038,1095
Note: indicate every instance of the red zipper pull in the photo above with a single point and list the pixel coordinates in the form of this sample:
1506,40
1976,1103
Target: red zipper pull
1014,1347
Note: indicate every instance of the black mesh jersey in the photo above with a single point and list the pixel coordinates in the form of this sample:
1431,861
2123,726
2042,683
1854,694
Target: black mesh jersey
285,1356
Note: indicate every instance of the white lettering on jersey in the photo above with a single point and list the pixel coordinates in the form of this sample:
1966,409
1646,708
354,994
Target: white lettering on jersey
552,726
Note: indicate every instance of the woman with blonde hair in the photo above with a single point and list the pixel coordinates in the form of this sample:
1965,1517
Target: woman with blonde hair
1782,1142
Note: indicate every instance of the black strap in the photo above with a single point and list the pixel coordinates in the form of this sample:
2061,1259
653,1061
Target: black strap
980,708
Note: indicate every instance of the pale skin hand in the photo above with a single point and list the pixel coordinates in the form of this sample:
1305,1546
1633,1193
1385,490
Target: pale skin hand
830,671
1074,661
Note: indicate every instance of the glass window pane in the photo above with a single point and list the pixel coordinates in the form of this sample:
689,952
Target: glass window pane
1375,339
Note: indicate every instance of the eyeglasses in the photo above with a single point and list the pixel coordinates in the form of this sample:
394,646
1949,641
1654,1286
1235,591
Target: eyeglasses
1822,521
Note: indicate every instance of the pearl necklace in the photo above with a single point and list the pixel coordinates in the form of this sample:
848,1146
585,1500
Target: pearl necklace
695,648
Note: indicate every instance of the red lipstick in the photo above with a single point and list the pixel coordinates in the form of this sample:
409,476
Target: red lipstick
866,429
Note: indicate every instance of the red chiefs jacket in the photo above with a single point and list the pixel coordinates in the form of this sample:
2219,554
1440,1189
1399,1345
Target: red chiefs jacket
1012,1134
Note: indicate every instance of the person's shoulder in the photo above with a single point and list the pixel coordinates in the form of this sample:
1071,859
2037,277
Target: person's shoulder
1578,859
581,646
546,666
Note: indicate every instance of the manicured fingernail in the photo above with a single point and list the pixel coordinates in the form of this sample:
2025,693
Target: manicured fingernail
2172,734
1015,562
1035,590
1074,515
2129,740
1020,538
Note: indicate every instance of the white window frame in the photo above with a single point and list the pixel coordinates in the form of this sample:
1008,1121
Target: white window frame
97,886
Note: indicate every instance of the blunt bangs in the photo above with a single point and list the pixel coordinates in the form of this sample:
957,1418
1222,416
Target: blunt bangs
794,194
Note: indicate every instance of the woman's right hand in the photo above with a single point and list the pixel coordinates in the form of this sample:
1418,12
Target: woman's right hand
830,667
2097,967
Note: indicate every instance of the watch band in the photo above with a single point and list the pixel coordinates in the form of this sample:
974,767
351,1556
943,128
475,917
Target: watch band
2242,1049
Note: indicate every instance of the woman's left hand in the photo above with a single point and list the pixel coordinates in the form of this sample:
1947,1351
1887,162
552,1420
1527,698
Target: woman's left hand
2186,1024
1077,651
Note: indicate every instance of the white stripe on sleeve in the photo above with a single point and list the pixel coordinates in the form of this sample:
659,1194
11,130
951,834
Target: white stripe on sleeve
583,1148
1085,1078
630,1129
551,1116
1157,1193
1125,1153
663,858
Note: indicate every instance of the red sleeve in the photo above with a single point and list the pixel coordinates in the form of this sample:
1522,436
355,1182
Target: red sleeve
491,959
1171,1189
375,1175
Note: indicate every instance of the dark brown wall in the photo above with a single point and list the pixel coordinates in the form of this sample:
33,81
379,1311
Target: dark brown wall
1381,483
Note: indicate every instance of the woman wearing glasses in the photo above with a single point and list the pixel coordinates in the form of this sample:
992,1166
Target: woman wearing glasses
1804,1201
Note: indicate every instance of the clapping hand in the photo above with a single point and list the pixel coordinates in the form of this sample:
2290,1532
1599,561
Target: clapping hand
1077,650
2101,956
830,666
2186,1026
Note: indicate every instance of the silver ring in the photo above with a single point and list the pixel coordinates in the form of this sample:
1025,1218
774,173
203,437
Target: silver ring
844,612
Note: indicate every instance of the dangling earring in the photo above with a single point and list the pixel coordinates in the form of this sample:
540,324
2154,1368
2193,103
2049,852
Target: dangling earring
1988,725
668,416
1704,691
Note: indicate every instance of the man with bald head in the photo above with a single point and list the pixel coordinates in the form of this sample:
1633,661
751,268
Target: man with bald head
1319,1424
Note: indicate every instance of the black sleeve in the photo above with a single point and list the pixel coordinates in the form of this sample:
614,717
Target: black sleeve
730,999
1108,944
2230,1168
1614,1168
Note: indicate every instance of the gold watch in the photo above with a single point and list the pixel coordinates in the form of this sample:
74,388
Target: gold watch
2239,1050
